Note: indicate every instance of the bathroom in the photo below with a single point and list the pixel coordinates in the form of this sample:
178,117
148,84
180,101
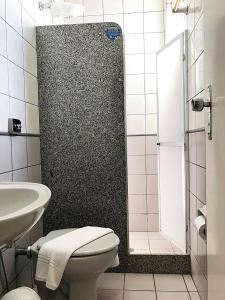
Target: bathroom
116,107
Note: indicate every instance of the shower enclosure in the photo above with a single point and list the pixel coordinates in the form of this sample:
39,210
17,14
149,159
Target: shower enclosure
171,236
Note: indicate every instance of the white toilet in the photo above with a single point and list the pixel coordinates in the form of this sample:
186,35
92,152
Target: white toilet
83,269
22,293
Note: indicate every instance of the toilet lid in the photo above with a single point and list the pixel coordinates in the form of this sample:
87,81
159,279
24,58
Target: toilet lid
101,245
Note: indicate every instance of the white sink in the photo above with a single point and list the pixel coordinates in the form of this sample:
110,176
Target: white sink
21,207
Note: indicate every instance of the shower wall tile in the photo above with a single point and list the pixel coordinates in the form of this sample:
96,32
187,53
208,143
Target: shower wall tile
137,204
136,165
134,43
138,222
4,112
93,19
136,145
135,104
18,93
118,18
113,7
131,6
153,5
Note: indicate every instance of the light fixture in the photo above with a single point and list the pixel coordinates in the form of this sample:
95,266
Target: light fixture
67,8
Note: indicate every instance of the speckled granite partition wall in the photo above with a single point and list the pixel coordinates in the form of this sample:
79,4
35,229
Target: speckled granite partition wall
81,94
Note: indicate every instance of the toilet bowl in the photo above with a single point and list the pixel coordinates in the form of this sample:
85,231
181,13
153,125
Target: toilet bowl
83,269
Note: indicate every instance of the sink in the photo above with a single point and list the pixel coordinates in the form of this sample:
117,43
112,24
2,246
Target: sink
21,207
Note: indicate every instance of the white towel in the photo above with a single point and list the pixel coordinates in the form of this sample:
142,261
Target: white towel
54,254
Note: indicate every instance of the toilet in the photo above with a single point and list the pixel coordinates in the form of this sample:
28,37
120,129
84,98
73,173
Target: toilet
83,269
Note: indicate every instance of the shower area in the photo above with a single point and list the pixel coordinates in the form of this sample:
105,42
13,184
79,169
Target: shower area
132,123
156,163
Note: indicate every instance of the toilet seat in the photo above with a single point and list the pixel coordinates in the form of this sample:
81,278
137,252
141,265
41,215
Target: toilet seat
99,246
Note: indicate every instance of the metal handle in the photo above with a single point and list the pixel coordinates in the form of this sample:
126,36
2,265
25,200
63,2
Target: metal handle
199,104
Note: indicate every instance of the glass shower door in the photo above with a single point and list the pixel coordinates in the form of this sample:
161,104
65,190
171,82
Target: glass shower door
171,103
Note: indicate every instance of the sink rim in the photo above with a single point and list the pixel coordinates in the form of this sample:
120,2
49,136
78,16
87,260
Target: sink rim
44,195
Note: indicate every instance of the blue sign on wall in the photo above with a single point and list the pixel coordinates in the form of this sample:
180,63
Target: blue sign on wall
113,33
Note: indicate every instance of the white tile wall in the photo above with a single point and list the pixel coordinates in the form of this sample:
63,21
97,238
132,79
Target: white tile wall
19,90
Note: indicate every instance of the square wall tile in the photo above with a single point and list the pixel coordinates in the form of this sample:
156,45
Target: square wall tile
153,42
135,84
152,204
118,19
152,184
33,151
153,5
19,152
151,103
93,8
136,184
31,88
93,19
29,30
151,147
135,104
201,148
150,84
34,174
20,175
113,7
5,150
30,58
32,119
3,38
192,148
4,112
201,184
16,81
139,282
193,179
2,9
134,64
153,22
138,222
3,75
6,177
18,111
150,63
137,204
14,46
133,23
131,6
136,165
13,15
29,6
153,223
152,164
135,124
134,43
151,124
136,145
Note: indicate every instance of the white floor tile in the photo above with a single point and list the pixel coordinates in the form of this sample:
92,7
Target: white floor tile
139,295
173,296
140,251
190,283
169,282
138,235
110,295
162,251
111,281
139,282
139,244
160,244
155,236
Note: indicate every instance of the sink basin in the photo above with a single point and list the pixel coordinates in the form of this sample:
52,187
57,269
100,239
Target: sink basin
21,207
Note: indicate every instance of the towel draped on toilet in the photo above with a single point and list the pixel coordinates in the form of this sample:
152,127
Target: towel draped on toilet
54,254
